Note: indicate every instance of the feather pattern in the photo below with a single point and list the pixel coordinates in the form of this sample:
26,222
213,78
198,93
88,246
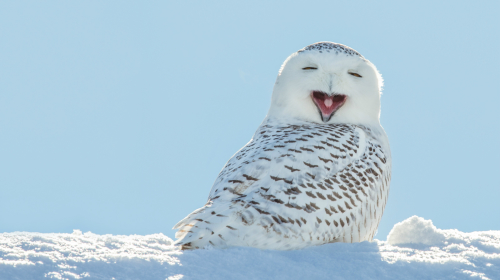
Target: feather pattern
296,185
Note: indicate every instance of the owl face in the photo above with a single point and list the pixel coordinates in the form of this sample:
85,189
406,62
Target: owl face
327,87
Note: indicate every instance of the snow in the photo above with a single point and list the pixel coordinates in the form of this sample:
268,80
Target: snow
416,230
415,249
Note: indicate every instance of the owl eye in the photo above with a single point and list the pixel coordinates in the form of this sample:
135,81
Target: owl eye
355,74
309,68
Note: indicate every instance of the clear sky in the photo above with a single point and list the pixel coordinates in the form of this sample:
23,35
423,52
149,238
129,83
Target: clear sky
116,116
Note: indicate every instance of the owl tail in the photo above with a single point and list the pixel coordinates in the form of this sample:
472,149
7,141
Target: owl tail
207,227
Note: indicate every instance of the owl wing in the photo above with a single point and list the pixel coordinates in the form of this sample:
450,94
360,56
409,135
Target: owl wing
311,183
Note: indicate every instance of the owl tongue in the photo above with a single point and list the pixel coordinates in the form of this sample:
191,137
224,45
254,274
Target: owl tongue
327,104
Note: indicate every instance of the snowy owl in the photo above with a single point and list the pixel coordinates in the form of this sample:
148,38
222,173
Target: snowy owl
317,169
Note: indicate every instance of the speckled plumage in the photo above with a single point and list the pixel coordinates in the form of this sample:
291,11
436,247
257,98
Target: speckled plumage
299,182
328,46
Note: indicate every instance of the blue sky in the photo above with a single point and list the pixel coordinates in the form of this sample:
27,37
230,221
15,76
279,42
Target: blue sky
116,116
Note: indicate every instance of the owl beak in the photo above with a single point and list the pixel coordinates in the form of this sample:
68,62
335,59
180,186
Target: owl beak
327,104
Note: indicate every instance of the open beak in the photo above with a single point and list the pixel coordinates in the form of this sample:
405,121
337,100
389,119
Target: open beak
327,104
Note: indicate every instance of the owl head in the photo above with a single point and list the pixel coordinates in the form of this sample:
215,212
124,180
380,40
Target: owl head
327,83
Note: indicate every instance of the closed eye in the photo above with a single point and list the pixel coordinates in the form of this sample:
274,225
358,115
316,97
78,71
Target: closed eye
355,74
309,68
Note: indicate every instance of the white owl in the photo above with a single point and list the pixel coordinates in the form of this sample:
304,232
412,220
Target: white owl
316,171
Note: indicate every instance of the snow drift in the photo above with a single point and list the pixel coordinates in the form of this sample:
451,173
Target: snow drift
415,249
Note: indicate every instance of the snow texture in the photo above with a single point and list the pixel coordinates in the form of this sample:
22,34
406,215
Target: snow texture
416,230
415,250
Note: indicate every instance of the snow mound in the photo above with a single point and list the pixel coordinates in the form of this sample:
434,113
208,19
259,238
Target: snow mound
436,254
25,255
415,230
